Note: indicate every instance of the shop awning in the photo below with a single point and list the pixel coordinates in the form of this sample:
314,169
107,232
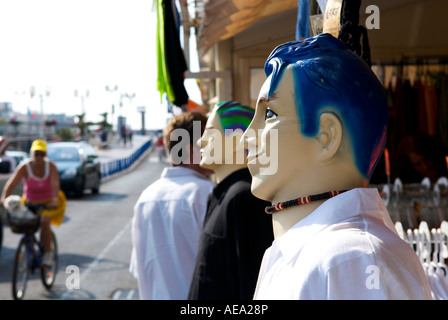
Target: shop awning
223,19
411,26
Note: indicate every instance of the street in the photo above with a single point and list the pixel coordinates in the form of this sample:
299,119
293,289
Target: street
94,242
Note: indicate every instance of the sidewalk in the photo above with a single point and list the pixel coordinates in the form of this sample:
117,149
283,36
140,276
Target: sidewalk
119,151
119,158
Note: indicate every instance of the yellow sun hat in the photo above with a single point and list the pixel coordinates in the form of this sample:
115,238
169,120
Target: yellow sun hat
38,145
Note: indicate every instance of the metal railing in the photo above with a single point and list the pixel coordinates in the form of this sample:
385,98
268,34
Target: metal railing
115,166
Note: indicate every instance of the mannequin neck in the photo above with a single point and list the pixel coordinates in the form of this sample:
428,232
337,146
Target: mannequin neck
284,220
224,170
345,178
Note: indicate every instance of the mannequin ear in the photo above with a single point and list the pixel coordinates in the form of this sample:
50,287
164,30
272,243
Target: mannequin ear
329,136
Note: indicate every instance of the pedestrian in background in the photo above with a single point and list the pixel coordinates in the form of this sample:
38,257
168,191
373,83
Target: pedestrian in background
169,215
160,147
129,134
123,134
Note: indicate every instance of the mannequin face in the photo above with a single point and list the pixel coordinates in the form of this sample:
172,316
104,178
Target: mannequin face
330,78
278,127
218,147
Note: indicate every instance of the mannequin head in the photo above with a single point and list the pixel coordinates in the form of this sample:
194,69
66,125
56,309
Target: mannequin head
221,147
330,116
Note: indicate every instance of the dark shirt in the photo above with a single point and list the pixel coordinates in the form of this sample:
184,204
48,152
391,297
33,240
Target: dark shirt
236,233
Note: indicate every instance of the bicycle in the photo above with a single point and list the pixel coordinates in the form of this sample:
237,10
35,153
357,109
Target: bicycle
29,252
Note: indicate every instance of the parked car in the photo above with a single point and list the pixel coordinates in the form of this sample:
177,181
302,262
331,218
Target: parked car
19,156
78,166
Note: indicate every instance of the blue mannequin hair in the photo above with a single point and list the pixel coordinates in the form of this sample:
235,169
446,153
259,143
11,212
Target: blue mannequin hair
328,77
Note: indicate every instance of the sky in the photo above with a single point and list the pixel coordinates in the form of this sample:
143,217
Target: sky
61,46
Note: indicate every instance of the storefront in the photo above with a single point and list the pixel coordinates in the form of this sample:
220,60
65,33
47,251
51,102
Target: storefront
409,54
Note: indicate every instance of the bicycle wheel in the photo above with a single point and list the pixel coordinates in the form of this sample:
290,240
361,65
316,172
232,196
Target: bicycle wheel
21,268
48,274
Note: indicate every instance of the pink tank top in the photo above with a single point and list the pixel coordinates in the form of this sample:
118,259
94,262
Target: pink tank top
37,189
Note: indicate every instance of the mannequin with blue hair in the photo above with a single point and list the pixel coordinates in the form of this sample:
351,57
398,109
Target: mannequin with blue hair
334,238
236,231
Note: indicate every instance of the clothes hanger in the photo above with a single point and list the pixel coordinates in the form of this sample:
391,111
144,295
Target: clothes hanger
435,253
425,184
397,189
442,268
410,238
418,246
385,195
425,242
443,237
440,185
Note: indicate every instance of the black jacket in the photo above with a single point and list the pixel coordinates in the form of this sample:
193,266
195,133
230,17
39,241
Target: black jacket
236,233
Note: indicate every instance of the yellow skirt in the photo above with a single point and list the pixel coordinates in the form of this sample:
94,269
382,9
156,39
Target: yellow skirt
57,214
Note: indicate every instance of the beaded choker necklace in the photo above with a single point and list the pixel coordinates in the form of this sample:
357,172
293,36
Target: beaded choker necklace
303,200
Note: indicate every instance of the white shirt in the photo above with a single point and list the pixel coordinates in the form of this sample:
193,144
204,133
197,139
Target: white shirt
167,221
347,248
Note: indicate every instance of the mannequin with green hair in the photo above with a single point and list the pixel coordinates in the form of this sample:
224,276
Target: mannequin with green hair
236,231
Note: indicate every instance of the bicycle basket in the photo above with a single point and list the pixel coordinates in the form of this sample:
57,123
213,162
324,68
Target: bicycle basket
28,223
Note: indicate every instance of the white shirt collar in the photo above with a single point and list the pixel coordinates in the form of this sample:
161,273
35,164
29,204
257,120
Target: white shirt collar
179,171
352,203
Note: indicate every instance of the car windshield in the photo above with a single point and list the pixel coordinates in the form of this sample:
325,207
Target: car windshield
61,153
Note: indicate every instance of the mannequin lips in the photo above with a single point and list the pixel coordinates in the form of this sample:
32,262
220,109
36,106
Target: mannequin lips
202,153
252,149
251,159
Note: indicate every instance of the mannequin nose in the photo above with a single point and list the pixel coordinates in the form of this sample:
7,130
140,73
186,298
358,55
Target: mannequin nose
202,142
249,139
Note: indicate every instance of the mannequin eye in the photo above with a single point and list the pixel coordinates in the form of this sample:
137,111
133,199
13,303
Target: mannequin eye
270,114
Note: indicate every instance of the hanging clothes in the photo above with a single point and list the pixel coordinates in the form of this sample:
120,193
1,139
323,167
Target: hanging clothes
443,109
391,141
410,107
431,107
422,121
418,106
396,119
163,76
170,55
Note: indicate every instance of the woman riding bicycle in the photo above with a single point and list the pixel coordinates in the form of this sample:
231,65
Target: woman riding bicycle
40,186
